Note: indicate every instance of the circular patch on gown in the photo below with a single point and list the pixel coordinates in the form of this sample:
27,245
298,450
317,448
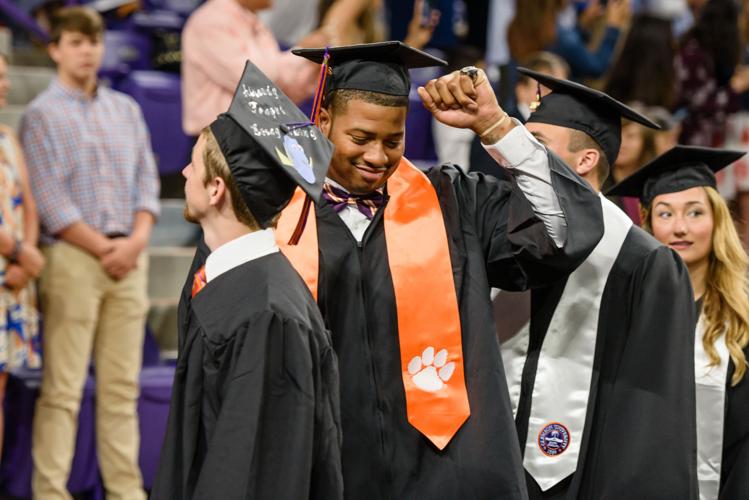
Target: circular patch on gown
553,439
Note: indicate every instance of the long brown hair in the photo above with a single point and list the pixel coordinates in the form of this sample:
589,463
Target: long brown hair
533,27
725,304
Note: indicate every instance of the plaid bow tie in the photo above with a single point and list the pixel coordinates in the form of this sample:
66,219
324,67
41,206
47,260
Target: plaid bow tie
368,204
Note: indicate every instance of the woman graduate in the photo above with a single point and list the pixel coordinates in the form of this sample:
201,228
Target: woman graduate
683,210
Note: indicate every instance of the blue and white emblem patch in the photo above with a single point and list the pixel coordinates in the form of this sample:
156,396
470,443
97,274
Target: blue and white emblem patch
553,439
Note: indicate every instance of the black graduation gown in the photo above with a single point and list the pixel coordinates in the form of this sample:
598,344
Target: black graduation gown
495,239
255,404
639,439
735,465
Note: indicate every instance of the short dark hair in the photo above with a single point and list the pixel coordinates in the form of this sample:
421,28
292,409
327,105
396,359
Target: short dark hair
337,100
579,140
76,19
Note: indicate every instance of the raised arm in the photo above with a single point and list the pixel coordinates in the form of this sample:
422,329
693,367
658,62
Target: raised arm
538,223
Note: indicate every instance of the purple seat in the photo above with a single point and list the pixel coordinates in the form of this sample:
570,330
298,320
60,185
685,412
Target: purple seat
153,410
16,467
125,51
419,141
160,97
182,7
22,391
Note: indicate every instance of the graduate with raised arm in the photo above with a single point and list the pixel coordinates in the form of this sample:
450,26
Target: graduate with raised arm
684,210
401,263
602,379
255,403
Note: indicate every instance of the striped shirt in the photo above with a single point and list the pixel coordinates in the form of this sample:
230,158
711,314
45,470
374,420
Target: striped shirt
89,160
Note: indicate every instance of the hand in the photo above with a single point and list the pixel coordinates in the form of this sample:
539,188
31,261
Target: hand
30,259
16,278
740,80
419,31
458,101
325,36
617,13
122,258
590,14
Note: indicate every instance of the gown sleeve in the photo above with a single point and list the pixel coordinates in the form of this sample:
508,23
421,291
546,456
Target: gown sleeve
518,249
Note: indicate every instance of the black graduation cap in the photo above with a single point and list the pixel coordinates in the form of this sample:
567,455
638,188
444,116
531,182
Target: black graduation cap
375,67
678,169
572,105
270,146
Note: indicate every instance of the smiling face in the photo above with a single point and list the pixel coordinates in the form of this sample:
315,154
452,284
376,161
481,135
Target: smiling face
684,222
369,141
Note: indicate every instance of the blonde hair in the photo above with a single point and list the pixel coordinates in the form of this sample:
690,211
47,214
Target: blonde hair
726,300
216,166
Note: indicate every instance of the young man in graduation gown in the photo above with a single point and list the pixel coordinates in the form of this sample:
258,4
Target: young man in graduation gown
401,263
405,289
602,379
255,404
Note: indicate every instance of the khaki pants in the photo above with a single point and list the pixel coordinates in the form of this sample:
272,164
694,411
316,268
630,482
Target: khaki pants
85,312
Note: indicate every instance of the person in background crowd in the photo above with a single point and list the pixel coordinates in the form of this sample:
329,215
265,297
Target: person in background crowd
670,128
707,78
533,28
362,21
94,179
683,210
637,149
20,261
527,89
217,39
644,70
570,42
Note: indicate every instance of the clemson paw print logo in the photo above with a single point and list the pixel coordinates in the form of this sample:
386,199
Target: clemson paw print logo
429,372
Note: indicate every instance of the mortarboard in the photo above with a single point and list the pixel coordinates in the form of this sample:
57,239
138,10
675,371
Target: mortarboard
572,105
375,67
678,169
270,146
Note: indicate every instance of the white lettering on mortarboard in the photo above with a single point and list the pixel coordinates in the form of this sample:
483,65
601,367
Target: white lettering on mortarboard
266,110
257,93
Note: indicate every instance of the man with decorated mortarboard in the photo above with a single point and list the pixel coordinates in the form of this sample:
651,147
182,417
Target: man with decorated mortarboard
255,404
401,262
602,378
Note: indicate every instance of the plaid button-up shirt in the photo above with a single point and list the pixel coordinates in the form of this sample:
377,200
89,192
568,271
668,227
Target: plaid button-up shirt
89,160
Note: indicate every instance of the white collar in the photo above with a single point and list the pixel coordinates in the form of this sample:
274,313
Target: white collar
238,251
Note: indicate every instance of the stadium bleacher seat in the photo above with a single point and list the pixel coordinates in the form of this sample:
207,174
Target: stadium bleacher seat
160,97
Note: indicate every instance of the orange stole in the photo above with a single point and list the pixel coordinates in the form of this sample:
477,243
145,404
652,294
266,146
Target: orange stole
427,306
